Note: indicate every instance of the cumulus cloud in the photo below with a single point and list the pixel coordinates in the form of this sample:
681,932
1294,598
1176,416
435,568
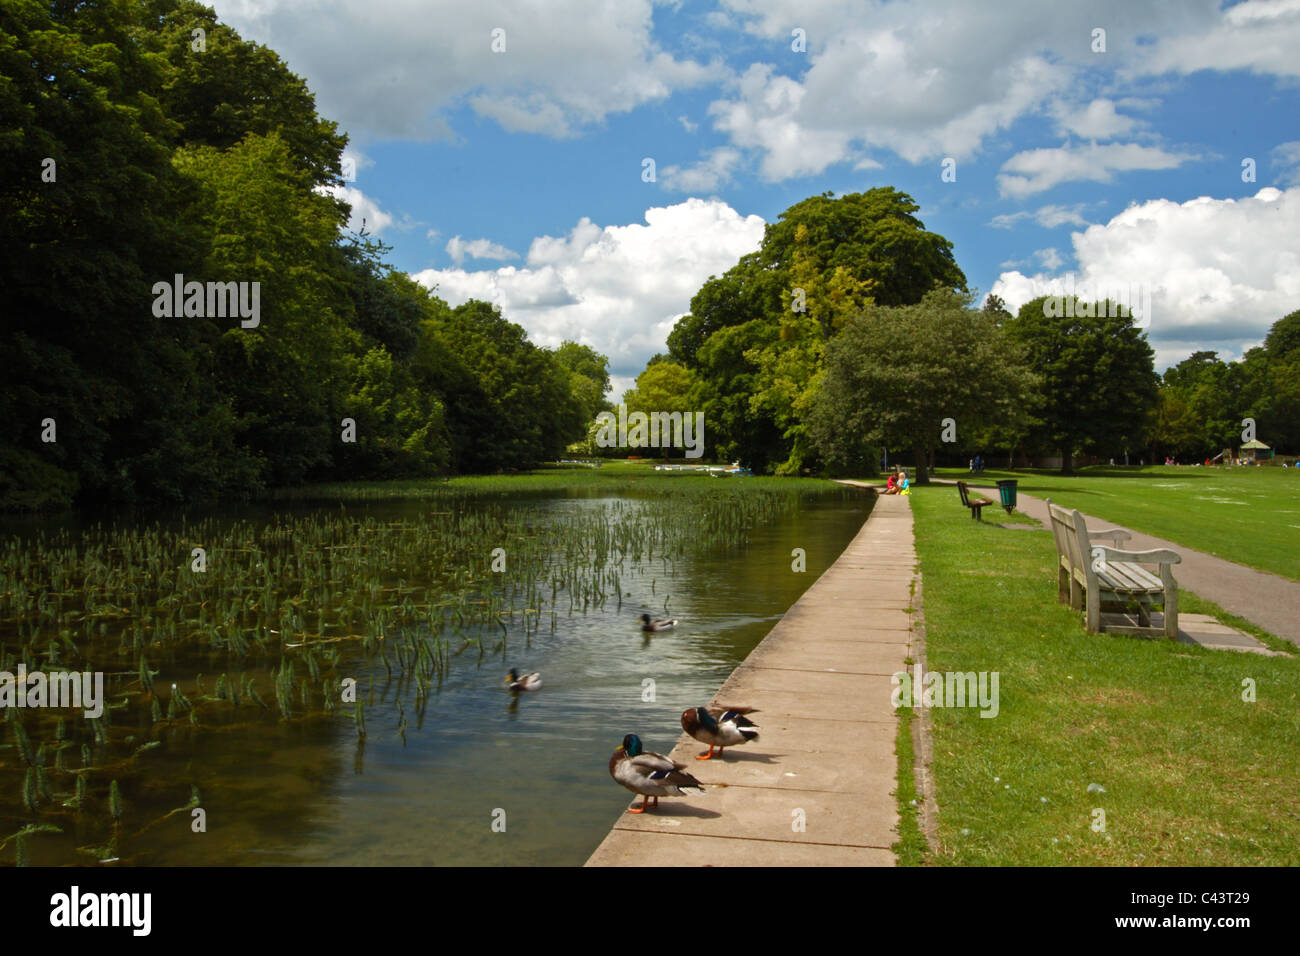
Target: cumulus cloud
1036,170
458,249
394,67
1097,120
705,176
939,79
1257,35
1050,258
1219,272
618,289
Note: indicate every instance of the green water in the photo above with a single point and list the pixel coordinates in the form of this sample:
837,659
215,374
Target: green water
307,791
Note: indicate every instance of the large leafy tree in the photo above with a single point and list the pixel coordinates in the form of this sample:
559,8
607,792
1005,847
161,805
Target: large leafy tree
533,413
819,263
1099,384
895,374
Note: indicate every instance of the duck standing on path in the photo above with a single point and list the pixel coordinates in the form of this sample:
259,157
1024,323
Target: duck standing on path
649,774
661,625
527,682
719,727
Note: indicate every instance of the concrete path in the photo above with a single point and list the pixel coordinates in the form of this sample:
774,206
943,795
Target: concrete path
817,787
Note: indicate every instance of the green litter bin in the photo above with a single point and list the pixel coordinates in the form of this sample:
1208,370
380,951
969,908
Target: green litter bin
1007,489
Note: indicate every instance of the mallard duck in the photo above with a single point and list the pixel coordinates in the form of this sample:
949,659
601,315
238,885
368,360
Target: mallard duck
649,774
719,727
660,625
527,682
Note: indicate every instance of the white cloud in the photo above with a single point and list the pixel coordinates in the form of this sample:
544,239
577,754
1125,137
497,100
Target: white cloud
619,289
939,79
365,211
352,161
458,249
1050,258
1219,272
1036,170
394,67
1286,159
1258,35
1049,217
1097,120
687,124
714,170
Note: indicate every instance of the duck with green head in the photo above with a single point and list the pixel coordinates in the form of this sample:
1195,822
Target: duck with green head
719,727
649,625
527,682
650,774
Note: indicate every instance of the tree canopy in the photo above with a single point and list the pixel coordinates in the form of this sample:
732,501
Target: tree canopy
134,149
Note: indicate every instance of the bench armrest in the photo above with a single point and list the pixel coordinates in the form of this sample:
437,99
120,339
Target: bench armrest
1157,556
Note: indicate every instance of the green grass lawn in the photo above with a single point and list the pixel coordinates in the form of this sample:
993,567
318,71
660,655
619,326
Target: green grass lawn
1247,515
1193,775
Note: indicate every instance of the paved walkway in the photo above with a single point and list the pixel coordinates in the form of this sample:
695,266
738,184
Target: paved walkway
825,754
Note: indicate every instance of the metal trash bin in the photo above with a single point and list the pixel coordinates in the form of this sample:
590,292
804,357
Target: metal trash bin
1007,489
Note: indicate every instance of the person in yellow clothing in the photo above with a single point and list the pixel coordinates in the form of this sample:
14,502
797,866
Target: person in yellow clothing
904,484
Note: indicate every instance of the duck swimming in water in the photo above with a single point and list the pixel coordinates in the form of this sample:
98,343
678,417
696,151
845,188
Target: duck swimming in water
527,682
661,625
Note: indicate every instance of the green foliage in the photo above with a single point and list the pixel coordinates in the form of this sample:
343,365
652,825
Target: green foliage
895,374
1098,381
208,165
820,263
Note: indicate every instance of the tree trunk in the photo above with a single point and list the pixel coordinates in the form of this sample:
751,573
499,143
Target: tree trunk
922,477
1067,462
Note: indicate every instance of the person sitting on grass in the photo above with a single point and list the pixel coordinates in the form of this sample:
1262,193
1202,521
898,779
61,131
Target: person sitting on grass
891,483
904,486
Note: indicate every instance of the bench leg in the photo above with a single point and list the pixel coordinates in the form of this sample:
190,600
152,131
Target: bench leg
1171,613
1062,584
1093,614
1144,613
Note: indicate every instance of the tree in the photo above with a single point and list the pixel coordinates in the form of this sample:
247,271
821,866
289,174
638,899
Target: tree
1099,382
664,386
872,236
727,376
817,265
588,378
895,374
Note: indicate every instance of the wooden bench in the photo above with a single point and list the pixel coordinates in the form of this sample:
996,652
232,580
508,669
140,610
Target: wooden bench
973,503
1089,575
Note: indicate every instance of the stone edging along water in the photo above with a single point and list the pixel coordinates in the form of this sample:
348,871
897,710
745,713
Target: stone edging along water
817,787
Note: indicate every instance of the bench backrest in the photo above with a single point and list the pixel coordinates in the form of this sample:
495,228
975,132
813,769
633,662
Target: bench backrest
1071,534
961,489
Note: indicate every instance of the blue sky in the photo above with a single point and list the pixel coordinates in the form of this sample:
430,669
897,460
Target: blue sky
516,176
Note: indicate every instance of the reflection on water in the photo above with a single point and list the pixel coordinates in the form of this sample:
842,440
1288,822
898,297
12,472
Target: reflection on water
305,792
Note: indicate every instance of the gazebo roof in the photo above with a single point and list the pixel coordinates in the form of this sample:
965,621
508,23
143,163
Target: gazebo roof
1255,443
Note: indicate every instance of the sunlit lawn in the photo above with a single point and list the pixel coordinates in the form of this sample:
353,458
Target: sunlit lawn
1192,774
1247,515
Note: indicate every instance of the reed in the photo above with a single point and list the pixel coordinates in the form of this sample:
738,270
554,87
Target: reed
297,600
